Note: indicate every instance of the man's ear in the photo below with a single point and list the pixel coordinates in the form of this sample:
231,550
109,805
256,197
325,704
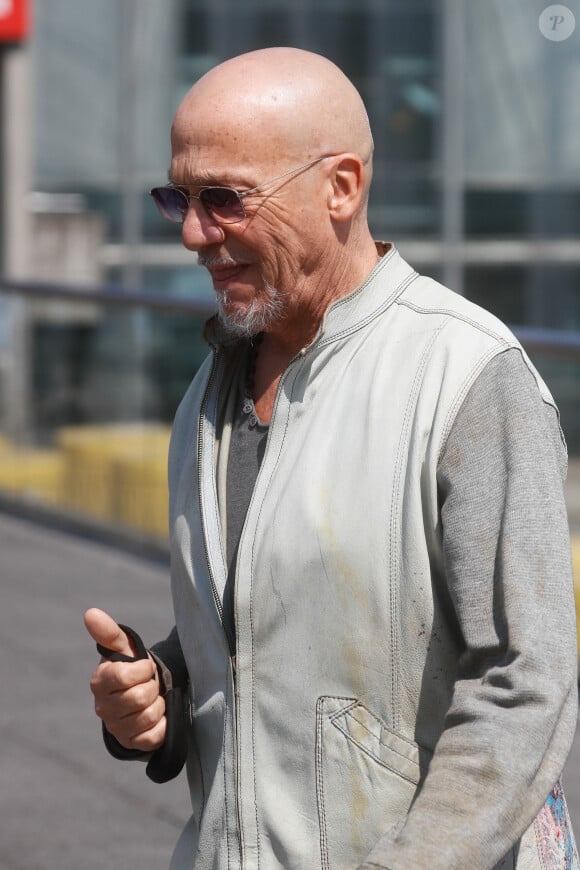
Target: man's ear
348,187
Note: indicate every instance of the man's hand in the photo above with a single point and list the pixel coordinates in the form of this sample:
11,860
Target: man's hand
126,694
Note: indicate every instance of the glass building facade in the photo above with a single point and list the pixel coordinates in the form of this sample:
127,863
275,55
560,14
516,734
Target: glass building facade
475,114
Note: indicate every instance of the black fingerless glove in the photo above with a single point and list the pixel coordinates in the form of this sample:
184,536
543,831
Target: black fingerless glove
167,761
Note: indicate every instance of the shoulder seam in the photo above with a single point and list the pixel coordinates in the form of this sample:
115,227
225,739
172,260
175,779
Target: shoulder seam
470,380
462,392
456,315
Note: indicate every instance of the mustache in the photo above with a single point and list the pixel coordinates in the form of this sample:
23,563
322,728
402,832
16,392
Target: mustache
220,262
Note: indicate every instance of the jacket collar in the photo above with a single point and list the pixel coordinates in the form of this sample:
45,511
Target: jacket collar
378,291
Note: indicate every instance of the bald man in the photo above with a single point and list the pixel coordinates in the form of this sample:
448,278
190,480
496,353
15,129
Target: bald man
370,557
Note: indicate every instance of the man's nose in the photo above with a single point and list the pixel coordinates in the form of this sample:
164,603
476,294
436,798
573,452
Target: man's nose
199,229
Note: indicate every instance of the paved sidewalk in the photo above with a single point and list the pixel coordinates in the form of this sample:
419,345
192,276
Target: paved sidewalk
64,803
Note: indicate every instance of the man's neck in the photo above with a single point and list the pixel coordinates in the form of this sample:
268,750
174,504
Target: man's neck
301,323
298,329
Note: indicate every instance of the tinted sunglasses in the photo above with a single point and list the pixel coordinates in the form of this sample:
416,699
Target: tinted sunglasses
224,204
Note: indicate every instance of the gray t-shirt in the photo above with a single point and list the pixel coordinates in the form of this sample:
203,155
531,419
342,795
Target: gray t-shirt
247,446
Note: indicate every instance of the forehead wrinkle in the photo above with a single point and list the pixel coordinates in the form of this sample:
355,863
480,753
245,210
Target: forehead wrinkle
213,178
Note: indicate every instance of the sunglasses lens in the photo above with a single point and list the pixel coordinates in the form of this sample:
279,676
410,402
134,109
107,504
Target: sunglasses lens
223,203
171,202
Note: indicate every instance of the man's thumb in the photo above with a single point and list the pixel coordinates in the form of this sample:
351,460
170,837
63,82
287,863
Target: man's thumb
104,630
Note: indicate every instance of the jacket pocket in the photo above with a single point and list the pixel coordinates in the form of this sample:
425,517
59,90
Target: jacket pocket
366,777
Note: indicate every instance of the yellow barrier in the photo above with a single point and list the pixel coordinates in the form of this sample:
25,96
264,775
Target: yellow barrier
91,456
33,473
142,498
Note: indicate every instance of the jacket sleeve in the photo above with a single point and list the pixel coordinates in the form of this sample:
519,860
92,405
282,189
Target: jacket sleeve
506,551
169,657
172,672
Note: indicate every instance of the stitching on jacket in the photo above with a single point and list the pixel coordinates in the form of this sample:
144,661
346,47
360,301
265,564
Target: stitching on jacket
375,758
394,525
343,710
371,317
226,791
461,395
209,429
378,739
373,274
455,315
504,343
254,709
205,429
464,389
347,711
320,785
251,614
530,367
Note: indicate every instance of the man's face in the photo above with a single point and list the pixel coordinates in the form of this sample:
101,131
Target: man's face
260,264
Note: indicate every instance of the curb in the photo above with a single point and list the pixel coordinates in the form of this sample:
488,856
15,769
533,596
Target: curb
122,538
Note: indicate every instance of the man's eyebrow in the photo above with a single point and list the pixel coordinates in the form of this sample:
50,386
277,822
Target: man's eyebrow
208,180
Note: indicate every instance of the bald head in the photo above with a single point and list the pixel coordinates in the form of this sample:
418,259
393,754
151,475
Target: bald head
286,129
280,101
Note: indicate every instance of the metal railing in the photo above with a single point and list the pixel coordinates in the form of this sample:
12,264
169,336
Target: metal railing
555,342
560,343
108,295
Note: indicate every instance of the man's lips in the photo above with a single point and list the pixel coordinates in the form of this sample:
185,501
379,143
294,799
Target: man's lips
222,275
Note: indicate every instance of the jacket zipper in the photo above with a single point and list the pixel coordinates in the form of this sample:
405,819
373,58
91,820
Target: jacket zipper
214,588
215,593
217,599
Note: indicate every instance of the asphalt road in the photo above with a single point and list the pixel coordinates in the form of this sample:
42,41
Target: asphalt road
64,803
